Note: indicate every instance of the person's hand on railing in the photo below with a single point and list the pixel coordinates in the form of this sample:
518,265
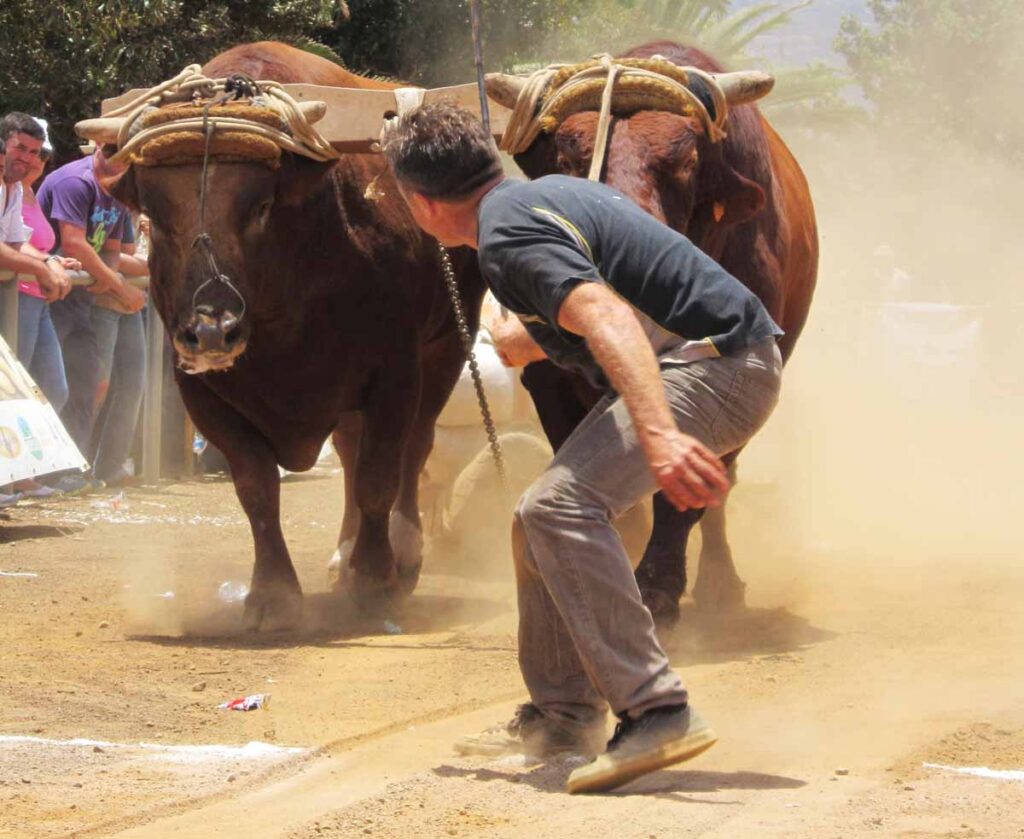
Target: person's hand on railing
52,279
131,298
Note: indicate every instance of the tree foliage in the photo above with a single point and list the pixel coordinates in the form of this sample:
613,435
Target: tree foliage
62,59
941,69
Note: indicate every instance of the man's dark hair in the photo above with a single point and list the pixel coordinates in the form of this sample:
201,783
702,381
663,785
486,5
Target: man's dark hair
18,123
441,151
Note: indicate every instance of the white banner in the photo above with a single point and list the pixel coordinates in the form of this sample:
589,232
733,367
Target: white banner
32,439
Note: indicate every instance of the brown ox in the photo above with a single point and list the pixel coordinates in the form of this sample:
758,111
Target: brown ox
746,203
347,330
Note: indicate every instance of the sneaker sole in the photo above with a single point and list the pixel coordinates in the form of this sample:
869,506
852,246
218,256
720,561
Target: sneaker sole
607,773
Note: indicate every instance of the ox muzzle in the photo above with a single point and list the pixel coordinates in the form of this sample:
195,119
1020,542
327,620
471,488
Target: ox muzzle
209,340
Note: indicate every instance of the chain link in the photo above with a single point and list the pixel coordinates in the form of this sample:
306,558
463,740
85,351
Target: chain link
474,368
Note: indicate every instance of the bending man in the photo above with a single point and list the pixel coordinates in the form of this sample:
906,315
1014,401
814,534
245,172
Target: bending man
689,360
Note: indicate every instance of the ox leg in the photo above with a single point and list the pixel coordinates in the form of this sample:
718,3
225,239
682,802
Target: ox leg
442,364
661,574
275,598
718,587
346,443
371,572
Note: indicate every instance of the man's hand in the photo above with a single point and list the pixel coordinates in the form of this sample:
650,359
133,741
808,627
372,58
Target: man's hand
687,471
53,283
512,343
131,298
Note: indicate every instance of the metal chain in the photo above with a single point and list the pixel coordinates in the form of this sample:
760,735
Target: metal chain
474,368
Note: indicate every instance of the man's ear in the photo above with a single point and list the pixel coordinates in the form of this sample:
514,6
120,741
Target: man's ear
298,178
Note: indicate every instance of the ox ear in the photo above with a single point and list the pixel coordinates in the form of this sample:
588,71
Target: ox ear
735,199
299,177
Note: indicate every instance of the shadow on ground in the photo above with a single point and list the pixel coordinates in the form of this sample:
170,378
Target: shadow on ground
21,532
333,620
708,637
675,783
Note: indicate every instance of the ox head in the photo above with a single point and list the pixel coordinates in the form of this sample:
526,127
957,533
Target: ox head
666,162
216,273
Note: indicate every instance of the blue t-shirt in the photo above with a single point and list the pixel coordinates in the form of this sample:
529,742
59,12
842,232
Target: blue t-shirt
538,240
71,194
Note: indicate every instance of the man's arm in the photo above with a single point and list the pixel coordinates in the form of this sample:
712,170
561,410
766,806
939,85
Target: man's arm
74,244
686,470
512,342
22,258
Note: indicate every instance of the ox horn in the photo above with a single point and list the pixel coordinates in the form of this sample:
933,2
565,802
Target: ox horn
504,89
744,85
313,110
101,130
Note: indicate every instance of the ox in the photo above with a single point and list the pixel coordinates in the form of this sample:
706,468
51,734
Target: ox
335,322
745,202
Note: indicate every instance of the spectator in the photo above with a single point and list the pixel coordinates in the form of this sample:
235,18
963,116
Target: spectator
25,242
100,326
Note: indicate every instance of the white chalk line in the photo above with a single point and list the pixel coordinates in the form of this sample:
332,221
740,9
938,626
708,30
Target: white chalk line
981,771
252,750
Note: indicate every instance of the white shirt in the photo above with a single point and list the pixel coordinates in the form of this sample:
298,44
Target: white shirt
12,229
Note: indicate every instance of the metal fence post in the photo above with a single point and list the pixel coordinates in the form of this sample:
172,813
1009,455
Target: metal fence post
9,314
152,405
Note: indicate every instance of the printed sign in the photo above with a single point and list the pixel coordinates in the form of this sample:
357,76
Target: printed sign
32,439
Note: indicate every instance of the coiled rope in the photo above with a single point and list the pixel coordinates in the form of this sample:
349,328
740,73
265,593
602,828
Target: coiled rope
190,86
554,92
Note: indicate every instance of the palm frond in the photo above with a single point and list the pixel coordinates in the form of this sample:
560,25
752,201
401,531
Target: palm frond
316,48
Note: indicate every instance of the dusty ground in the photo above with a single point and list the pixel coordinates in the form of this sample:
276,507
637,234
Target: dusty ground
846,676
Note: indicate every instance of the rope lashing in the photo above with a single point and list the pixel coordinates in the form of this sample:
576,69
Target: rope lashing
202,242
553,93
190,86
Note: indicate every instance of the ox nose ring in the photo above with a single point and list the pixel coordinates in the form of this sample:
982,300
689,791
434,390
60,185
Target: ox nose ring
208,333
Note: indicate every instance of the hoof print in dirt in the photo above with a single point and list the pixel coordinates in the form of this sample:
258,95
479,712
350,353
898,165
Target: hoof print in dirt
276,610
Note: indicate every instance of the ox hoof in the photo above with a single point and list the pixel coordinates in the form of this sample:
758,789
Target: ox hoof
664,609
273,610
726,594
339,569
408,578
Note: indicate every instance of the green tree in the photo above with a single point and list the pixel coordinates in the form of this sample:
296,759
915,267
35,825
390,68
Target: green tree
62,59
429,42
941,69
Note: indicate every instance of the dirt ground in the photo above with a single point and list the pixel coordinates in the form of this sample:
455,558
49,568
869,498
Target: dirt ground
839,694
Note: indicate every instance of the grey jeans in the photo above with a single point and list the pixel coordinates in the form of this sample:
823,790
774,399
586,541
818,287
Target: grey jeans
585,636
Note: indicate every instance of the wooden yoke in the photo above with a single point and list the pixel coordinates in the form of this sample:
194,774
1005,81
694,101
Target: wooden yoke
354,117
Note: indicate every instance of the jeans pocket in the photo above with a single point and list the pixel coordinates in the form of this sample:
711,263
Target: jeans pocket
746,407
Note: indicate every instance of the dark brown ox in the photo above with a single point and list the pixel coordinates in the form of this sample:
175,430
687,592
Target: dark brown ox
746,203
347,331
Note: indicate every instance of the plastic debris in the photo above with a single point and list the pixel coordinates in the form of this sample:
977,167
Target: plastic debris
247,703
232,592
114,503
18,574
165,595
392,628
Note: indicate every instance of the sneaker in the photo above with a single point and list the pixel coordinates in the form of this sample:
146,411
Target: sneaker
529,732
33,489
657,738
77,484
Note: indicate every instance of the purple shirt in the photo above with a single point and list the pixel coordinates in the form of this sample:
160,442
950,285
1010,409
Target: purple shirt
71,194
